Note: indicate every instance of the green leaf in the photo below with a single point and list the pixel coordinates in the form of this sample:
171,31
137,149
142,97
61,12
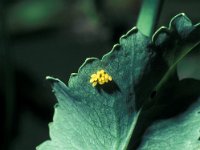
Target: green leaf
103,117
164,93
177,133
115,115
171,44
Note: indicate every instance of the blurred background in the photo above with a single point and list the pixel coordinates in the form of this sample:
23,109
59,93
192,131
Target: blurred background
54,37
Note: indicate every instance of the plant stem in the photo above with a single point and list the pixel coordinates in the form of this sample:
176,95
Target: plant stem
149,15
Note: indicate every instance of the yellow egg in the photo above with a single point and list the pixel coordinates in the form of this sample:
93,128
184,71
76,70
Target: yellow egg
100,77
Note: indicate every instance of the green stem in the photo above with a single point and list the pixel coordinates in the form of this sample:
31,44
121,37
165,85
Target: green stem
148,17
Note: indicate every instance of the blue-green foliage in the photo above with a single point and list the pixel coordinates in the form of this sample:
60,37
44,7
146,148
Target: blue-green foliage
105,116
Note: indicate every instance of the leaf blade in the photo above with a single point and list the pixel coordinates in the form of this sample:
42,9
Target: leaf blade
108,116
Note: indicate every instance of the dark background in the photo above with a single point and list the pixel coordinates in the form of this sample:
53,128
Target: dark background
54,37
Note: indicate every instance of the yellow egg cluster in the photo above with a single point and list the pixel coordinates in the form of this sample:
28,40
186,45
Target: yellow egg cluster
101,77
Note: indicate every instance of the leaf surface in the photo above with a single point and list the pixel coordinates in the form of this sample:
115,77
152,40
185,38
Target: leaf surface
177,133
102,117
166,95
115,115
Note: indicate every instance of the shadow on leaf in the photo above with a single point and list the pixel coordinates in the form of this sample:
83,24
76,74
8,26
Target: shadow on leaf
109,88
173,100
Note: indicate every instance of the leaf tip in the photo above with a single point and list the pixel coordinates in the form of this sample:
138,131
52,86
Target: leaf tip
87,61
52,79
130,32
182,25
161,36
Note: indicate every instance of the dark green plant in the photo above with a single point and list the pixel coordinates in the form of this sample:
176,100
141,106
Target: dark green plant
145,106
